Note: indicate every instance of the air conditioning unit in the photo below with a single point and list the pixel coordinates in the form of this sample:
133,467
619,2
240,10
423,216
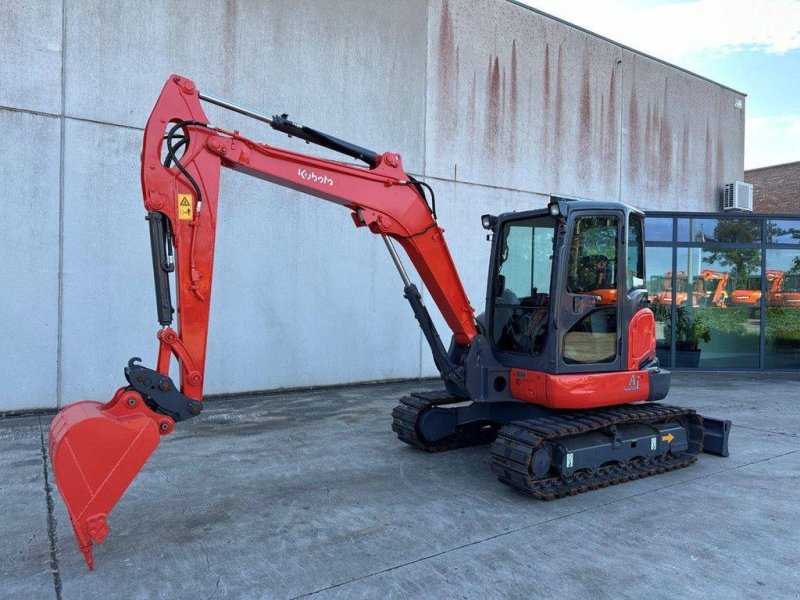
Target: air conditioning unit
738,196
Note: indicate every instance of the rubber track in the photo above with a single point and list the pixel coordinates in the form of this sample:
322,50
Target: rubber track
518,441
406,414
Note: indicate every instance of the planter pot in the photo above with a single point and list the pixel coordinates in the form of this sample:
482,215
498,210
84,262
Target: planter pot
687,359
662,354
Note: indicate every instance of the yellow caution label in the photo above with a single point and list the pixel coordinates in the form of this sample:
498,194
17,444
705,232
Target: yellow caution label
667,438
185,207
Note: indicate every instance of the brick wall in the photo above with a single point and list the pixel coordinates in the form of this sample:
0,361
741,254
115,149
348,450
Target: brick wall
776,189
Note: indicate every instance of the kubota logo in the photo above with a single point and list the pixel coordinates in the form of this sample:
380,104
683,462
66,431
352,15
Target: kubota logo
307,175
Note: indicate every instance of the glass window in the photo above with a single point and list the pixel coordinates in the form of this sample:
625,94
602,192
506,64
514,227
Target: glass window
783,232
683,230
659,288
593,339
593,255
782,323
658,229
635,266
717,295
593,268
522,288
742,231
717,312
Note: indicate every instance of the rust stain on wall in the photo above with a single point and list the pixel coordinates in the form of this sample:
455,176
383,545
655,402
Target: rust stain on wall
446,110
546,76
603,145
546,94
709,161
455,103
492,106
720,162
648,150
514,100
612,132
229,44
584,159
546,149
685,157
634,161
471,99
503,97
665,146
559,110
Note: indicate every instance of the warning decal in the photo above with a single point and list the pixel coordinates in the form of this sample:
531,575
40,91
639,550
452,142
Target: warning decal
185,207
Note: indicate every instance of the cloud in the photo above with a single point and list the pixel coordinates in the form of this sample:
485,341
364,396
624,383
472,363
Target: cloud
677,31
771,140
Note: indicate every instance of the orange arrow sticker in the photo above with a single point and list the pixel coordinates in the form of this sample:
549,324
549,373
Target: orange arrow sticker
667,438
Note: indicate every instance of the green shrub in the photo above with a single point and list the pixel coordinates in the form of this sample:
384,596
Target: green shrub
783,324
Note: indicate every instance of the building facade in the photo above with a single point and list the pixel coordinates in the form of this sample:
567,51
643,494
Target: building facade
495,105
776,189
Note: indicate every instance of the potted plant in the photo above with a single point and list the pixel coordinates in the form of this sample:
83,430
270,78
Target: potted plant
690,330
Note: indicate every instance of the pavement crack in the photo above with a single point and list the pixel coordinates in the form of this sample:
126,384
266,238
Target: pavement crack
216,589
205,553
537,524
51,519
202,546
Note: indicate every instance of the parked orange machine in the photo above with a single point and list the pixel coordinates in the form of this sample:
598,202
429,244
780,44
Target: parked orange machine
785,290
709,289
549,372
715,294
751,296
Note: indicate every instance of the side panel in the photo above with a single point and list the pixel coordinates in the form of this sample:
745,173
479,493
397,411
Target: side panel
641,338
579,391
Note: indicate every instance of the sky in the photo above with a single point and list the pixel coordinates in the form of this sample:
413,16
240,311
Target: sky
752,46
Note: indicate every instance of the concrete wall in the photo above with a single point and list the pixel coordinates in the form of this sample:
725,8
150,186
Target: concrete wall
498,106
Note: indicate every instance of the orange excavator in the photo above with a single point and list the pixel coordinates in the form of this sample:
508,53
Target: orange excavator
750,295
784,290
714,287
709,289
559,373
665,293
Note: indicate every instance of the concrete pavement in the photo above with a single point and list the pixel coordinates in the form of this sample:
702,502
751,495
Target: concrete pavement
309,494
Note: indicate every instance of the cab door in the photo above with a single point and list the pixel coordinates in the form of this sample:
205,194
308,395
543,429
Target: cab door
591,288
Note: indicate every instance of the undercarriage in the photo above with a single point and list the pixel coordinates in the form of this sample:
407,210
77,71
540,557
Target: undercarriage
549,454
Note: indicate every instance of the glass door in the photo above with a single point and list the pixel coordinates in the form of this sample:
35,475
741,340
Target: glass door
589,310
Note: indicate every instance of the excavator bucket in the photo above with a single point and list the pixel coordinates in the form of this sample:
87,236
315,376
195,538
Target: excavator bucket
96,451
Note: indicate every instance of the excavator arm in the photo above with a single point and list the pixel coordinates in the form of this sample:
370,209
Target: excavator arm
98,449
383,198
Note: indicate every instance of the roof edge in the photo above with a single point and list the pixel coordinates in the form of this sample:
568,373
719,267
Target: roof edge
786,164
620,45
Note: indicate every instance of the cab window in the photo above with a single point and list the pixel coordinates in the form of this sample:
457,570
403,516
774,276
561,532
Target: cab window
522,285
635,278
593,255
592,271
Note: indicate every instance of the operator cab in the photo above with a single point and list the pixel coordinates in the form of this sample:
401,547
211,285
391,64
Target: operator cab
563,284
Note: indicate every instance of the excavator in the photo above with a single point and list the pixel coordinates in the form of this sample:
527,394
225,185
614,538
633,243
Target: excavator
750,295
663,285
784,290
559,373
709,289
714,285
